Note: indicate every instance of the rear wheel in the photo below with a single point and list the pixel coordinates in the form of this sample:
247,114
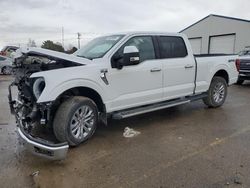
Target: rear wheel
75,120
239,82
217,92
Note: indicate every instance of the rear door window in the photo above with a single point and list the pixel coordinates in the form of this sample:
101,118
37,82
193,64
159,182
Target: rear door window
172,47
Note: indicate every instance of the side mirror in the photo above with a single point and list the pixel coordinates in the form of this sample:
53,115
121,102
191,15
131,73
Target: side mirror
131,55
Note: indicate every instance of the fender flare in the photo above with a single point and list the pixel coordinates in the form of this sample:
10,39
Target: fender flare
51,94
221,67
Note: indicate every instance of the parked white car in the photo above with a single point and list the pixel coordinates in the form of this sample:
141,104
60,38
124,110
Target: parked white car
116,76
5,65
8,50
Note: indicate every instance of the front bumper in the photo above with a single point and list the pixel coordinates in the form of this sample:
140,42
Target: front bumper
36,145
243,75
43,148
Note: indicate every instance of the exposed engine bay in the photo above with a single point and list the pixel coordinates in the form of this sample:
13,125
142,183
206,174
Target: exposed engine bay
24,107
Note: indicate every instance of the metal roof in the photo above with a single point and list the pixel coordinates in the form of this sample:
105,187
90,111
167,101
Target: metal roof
219,16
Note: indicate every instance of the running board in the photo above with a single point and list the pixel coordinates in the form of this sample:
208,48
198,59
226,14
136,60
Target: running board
158,106
148,108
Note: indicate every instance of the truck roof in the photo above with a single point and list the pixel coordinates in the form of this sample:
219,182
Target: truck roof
150,33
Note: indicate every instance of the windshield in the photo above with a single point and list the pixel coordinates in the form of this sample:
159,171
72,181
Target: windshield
98,47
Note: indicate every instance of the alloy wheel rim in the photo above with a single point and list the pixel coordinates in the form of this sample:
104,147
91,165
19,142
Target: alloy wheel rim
219,92
82,122
7,70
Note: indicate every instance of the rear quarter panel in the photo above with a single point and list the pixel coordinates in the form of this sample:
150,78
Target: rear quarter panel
207,67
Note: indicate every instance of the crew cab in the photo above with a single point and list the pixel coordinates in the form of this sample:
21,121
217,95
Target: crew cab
115,76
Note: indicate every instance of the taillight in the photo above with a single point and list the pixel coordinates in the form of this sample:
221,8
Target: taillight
237,64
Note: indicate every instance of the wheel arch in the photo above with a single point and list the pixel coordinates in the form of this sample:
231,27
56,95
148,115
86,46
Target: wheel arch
222,73
85,92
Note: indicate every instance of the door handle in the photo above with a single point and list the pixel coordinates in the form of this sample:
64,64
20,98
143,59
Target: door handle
155,70
189,66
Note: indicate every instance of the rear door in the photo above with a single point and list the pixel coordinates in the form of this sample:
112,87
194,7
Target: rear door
178,67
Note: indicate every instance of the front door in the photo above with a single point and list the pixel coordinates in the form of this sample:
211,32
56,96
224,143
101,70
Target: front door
139,84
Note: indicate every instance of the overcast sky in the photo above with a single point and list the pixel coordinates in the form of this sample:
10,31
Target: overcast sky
43,19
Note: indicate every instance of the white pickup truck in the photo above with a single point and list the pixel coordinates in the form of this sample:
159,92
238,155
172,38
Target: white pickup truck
115,76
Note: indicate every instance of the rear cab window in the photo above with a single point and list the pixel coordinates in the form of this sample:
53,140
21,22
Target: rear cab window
172,47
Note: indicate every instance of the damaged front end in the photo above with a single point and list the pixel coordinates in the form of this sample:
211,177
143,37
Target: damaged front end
30,114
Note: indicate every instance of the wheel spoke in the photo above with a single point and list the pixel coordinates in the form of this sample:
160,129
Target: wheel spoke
86,129
89,118
75,127
88,124
81,132
221,88
89,113
82,122
216,97
85,111
78,132
219,92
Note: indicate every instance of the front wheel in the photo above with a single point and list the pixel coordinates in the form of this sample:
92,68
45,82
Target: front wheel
75,120
217,92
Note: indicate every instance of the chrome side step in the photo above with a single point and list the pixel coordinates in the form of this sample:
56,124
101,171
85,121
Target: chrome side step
148,108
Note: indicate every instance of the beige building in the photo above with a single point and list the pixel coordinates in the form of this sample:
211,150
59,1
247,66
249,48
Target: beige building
218,34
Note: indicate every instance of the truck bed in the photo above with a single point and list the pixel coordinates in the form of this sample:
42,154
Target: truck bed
213,55
209,62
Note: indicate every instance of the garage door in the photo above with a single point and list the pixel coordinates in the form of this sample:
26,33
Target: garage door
222,44
196,45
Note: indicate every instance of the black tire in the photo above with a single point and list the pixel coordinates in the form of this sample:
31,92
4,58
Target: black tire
211,99
67,114
4,70
239,82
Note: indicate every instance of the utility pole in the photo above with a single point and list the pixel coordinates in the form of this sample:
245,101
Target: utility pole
79,38
62,36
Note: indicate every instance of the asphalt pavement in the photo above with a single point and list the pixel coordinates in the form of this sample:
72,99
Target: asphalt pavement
185,146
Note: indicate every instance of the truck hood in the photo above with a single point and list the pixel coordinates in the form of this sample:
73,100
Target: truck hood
32,60
53,55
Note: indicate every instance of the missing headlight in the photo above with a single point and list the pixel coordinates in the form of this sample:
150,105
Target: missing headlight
38,86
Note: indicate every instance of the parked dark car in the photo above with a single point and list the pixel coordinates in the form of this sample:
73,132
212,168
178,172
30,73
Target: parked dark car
243,67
